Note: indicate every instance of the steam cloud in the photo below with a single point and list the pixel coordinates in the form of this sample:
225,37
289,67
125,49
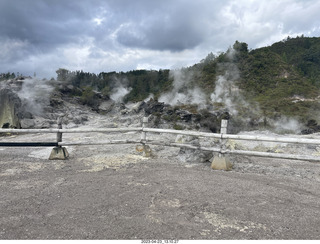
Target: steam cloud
35,95
287,125
183,91
120,90
226,95
226,92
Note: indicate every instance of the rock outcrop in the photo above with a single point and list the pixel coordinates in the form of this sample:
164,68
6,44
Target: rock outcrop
187,155
10,109
312,127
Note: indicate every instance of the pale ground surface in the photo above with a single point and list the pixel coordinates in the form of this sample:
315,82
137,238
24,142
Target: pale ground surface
113,192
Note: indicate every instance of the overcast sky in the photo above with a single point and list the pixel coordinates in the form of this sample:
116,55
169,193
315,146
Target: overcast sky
120,35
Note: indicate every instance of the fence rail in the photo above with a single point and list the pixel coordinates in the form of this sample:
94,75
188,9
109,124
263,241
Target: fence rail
29,144
221,149
99,142
77,130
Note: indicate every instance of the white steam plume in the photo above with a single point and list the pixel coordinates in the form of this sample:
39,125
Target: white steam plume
226,91
287,125
120,90
35,95
183,92
151,96
119,93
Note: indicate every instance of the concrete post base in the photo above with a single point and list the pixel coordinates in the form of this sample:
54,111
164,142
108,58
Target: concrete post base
145,149
147,152
221,163
59,153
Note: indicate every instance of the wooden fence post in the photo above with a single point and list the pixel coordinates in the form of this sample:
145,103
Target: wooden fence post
59,152
222,162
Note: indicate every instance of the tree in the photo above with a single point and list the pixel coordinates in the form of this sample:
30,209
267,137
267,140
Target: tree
88,96
62,74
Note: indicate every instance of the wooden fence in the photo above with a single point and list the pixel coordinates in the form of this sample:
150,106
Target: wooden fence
221,148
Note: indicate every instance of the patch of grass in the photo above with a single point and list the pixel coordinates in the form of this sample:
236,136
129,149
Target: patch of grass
178,127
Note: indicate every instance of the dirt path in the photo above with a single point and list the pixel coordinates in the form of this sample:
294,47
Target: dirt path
112,192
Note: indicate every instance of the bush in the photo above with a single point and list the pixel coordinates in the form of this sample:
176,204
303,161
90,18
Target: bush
88,96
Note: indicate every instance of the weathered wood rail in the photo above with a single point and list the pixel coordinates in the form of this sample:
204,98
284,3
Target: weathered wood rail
221,148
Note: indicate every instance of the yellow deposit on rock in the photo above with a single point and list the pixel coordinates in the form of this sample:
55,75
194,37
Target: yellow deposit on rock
221,163
234,145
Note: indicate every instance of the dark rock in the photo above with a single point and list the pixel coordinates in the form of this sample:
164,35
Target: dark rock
312,127
6,125
122,106
25,115
153,106
142,106
56,102
184,115
312,123
210,121
106,106
307,131
188,155
170,112
27,123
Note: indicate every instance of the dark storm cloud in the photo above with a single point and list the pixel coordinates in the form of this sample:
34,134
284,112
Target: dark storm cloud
167,25
161,37
98,35
159,25
43,23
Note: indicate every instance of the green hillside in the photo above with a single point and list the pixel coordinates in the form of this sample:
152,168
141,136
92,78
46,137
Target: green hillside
279,80
277,75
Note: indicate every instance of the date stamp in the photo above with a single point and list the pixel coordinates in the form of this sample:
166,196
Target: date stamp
159,241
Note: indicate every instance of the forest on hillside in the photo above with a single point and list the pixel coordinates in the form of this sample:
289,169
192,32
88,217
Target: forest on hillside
283,78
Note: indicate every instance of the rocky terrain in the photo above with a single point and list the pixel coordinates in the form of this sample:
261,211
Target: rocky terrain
30,103
115,192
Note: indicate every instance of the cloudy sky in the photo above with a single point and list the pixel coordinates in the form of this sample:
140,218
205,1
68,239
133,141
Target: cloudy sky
120,35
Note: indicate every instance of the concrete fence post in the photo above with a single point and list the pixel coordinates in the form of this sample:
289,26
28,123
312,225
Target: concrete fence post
59,134
144,125
224,125
147,152
222,162
59,152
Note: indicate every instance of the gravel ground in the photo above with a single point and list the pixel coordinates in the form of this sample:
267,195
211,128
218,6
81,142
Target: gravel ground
113,192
